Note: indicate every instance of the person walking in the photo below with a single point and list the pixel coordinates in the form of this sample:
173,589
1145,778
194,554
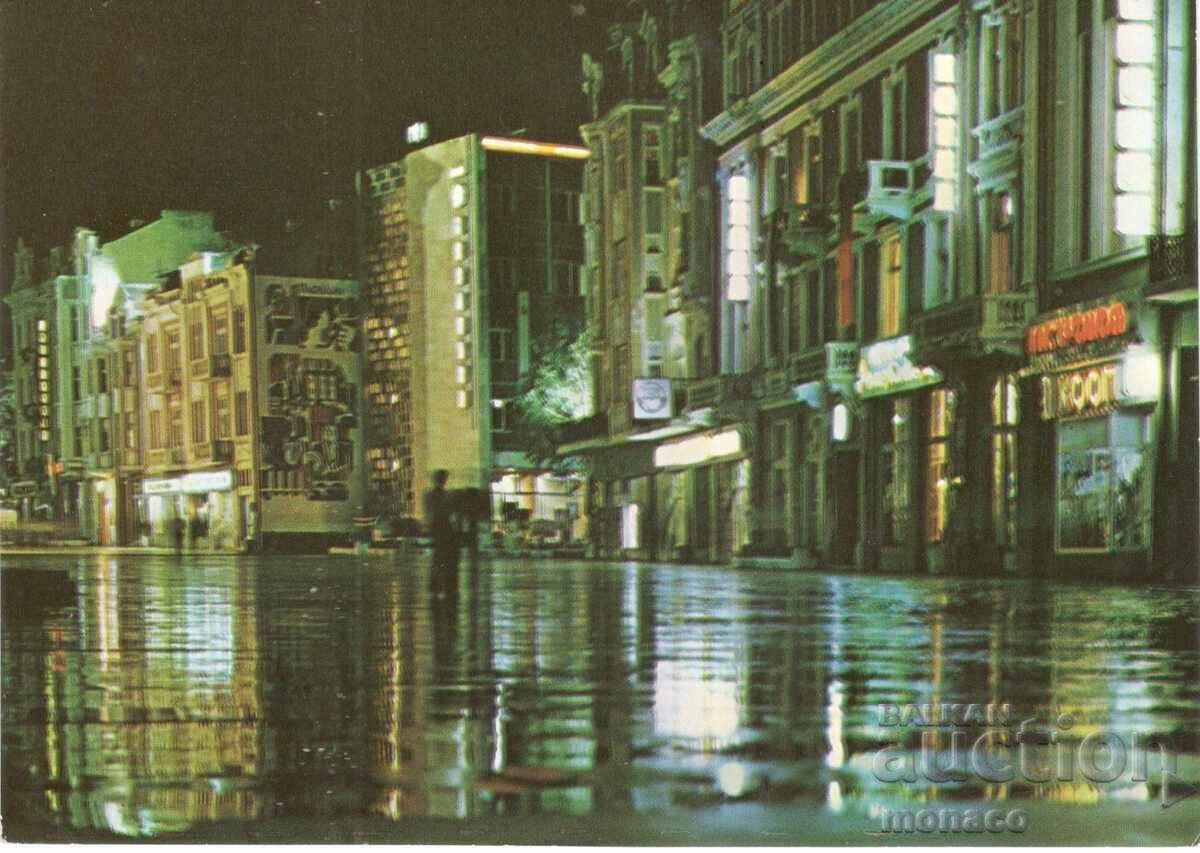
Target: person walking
440,517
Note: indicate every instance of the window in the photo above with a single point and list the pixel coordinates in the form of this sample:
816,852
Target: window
891,297
500,341
196,338
73,319
651,156
172,348
777,38
1005,418
939,261
1000,63
850,154
564,206
175,435
737,238
152,353
1000,243
105,441
894,147
78,441
652,219
239,329
241,413
131,432
944,116
937,476
76,390
128,369
220,410
219,329
500,416
566,279
1103,487
897,412
102,375
199,433
156,429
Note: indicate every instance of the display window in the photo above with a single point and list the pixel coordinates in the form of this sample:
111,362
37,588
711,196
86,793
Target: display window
1103,483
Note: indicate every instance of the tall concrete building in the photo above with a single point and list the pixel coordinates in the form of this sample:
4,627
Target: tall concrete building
472,252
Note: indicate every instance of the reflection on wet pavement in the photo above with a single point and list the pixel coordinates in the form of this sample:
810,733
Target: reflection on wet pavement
144,696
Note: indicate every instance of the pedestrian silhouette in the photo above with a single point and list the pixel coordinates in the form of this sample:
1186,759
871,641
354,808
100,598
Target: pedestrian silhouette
443,530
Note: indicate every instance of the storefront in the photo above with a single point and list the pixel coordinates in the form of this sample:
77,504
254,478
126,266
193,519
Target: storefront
195,511
1096,376
908,417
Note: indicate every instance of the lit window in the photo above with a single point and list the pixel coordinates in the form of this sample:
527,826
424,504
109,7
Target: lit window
458,195
1135,129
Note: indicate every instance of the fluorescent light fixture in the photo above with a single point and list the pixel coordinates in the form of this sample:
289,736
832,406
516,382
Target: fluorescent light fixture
1134,171
460,398
697,450
460,374
943,68
739,264
460,325
1135,10
457,171
739,239
524,146
840,422
1135,130
1135,86
1133,214
1135,43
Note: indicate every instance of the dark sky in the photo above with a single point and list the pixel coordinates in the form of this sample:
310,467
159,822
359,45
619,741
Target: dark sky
115,109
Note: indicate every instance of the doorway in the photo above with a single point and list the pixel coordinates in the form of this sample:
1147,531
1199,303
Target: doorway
845,507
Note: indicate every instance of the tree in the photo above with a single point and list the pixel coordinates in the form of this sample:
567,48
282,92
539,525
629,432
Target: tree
558,390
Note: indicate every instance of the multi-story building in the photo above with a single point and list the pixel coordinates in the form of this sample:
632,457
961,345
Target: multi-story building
900,190
471,254
649,228
250,393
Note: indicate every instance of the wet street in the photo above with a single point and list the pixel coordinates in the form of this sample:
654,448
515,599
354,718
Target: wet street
558,701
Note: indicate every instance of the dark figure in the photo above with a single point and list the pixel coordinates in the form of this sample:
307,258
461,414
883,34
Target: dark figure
177,533
443,530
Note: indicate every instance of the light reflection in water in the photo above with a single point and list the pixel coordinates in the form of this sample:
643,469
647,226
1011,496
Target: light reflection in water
152,696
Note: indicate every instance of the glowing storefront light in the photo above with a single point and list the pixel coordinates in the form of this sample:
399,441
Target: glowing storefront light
1141,369
696,450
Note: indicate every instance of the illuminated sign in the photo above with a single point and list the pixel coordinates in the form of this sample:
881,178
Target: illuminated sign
884,367
651,399
161,487
523,146
43,380
207,481
698,449
1091,390
1079,327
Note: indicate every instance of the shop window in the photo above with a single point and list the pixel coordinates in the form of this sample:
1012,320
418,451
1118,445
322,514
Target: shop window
1103,484
1005,418
896,458
937,455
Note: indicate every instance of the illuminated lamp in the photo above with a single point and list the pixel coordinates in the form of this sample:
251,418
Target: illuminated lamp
840,422
104,280
458,195
1141,369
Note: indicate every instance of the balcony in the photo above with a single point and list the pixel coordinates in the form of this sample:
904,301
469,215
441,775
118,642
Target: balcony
895,187
1172,261
804,231
833,362
772,384
220,364
997,149
985,324
713,391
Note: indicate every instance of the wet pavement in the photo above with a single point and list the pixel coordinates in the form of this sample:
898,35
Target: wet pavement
581,702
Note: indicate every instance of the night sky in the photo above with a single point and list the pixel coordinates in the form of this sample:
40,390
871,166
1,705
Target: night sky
115,109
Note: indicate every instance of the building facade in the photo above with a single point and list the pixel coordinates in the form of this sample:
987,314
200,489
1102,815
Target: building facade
472,253
649,228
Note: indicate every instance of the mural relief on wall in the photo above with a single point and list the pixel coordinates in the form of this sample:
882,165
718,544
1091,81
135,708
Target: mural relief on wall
309,427
311,316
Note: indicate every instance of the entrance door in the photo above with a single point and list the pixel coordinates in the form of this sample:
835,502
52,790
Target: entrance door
1189,451
845,507
701,522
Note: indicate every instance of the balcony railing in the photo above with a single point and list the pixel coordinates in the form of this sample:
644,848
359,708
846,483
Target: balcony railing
220,364
835,361
992,322
998,144
1172,257
804,231
894,186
